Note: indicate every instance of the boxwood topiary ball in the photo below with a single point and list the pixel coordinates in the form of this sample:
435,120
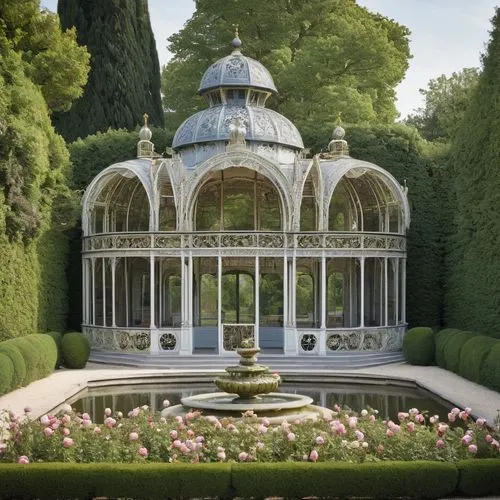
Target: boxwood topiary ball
419,346
75,350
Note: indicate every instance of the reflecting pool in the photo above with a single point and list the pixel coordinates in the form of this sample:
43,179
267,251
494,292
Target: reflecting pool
387,399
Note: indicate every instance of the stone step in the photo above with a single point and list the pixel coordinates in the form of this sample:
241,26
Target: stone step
337,361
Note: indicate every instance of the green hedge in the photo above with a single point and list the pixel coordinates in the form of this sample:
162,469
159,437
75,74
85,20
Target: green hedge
9,348
57,338
479,477
6,373
259,480
75,350
489,375
453,349
33,357
419,346
473,355
442,338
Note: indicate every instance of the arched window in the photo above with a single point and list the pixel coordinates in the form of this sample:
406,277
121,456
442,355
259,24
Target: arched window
238,199
309,206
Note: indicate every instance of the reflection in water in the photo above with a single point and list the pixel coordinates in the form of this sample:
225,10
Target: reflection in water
388,400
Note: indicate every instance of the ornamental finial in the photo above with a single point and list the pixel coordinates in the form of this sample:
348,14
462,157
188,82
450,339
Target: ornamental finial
236,43
339,118
145,116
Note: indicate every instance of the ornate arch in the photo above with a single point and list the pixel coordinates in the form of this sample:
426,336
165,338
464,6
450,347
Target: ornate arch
334,171
314,169
138,168
244,159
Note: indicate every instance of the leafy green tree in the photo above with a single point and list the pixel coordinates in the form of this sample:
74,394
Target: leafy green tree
446,100
34,166
473,284
124,80
325,56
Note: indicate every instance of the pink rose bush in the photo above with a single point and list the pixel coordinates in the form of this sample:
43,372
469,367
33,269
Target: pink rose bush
147,436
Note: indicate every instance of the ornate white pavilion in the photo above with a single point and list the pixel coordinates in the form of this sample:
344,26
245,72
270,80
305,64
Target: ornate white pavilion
239,235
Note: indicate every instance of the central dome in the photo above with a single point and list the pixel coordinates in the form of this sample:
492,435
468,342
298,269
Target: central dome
237,70
262,125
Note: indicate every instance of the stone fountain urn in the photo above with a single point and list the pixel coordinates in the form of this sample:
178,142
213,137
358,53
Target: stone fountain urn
248,379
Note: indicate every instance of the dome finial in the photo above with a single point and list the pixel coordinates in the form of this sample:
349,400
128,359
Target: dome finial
236,43
145,148
145,116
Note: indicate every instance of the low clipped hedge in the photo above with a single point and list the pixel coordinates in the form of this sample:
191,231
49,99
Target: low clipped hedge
453,349
473,356
33,357
489,374
6,373
442,338
418,479
57,338
75,349
419,346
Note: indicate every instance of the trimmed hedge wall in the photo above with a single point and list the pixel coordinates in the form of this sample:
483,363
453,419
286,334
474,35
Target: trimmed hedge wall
442,338
419,346
33,357
259,480
473,355
489,374
75,349
453,349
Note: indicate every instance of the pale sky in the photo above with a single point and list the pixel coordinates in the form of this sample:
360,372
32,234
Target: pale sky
446,35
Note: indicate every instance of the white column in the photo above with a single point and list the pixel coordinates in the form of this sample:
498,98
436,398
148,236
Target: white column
322,333
386,294
403,291
152,292
286,315
125,272
103,291
190,292
257,301
395,267
84,292
186,331
293,290
219,304
113,293
362,280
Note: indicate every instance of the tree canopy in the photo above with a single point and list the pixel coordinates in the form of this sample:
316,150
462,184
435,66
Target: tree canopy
446,100
325,56
473,285
124,80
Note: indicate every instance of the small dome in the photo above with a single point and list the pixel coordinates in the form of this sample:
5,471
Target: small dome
237,70
262,125
338,133
145,133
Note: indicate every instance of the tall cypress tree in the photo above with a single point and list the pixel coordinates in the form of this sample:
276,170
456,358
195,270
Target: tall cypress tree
473,285
124,80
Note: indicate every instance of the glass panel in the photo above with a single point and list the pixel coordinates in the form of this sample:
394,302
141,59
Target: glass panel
170,293
120,293
205,301
239,211
98,219
139,291
168,212
268,207
208,209
98,293
307,296
391,291
271,298
308,214
374,292
138,217
109,292
343,214
335,302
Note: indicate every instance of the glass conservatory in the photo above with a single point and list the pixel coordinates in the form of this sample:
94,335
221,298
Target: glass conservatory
239,235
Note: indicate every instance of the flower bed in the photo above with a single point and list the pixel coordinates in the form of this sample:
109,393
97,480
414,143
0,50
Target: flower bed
144,436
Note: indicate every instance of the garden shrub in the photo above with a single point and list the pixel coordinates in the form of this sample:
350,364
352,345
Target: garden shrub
6,373
473,355
419,346
9,348
57,338
489,375
478,477
31,355
453,348
442,338
75,350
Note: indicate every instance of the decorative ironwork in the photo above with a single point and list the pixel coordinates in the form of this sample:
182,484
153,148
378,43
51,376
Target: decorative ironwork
168,241
118,339
142,341
308,342
168,341
234,334
373,339
123,340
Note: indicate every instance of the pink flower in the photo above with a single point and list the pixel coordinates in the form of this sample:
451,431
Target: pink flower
119,414
44,420
173,434
133,436
290,436
86,416
389,433
143,452
353,422
262,429
413,411
419,418
199,439
67,442
466,440
372,418
265,421
472,449
221,455
97,430
48,431
23,459
320,440
66,431
107,412
66,419
190,432
87,423
313,456
451,417
135,412
110,422
439,443
166,403
402,416
66,408
480,422
243,456
411,426
359,435
176,444
179,419
260,445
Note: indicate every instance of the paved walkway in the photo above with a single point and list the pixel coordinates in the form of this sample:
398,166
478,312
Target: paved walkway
45,395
